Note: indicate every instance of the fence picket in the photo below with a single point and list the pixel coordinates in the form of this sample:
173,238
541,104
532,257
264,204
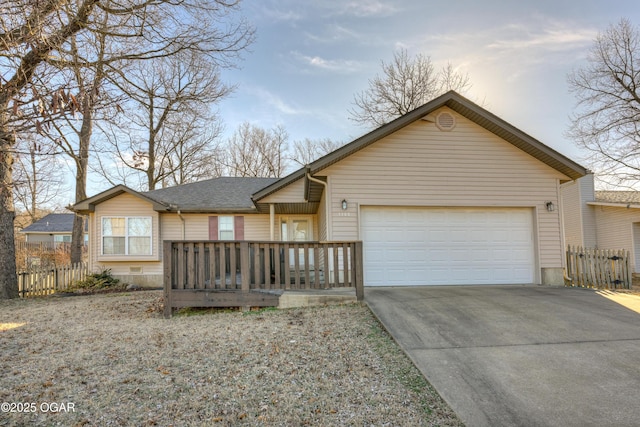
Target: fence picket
48,281
598,268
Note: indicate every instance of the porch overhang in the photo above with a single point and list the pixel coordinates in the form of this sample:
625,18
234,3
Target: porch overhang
310,199
306,208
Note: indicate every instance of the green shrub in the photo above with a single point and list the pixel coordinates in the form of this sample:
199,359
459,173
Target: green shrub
102,280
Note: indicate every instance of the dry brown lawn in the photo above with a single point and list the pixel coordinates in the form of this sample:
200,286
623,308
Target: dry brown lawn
112,360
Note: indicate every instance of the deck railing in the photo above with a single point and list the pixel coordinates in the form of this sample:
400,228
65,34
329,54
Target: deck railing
253,273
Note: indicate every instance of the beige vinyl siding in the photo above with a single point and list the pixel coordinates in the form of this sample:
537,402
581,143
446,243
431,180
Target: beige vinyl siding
587,194
579,218
468,166
615,228
571,214
40,237
292,193
321,219
256,227
125,205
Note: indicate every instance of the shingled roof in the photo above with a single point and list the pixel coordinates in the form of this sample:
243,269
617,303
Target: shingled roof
228,193
622,197
52,223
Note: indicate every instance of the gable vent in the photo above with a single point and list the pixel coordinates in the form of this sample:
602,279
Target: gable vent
445,121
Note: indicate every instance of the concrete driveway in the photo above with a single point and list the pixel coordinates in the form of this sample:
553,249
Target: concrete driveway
520,355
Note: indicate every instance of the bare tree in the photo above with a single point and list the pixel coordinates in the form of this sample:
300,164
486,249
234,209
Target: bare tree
31,31
38,177
607,89
169,126
256,152
98,65
308,150
406,83
37,34
195,156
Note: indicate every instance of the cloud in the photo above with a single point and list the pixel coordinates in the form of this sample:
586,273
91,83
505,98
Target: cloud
546,39
282,16
335,33
512,46
358,8
344,66
368,8
274,100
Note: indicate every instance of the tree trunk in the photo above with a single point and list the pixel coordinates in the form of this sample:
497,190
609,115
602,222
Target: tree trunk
82,162
8,276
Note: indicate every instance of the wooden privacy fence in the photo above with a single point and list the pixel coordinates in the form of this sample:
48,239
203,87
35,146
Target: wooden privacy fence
598,268
254,273
50,280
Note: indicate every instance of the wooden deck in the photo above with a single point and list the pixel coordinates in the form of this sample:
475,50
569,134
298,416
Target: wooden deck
255,273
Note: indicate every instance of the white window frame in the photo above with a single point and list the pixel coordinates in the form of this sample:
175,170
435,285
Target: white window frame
61,238
126,235
232,220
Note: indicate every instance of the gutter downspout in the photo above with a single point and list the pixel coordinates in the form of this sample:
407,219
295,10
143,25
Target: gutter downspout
183,224
326,202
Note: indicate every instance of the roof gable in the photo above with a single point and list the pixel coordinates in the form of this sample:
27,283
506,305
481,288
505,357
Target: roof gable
88,205
462,106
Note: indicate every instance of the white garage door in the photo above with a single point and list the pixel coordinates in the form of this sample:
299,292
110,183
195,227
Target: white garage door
447,246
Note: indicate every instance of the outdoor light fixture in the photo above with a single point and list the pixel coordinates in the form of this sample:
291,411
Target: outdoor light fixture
550,206
344,204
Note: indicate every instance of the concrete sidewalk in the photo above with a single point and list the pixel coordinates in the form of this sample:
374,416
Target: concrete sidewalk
520,355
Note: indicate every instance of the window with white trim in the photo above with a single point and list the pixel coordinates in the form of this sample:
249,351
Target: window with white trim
225,228
126,236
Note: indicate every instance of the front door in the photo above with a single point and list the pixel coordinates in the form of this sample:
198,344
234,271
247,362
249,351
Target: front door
297,230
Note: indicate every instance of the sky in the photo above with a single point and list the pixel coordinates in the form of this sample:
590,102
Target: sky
311,57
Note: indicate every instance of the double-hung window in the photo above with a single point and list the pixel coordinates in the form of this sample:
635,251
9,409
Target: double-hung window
126,236
225,228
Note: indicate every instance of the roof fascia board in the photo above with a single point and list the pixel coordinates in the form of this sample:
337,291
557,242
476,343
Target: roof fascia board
615,205
45,232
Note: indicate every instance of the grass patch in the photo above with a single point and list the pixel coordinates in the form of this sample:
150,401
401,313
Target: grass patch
403,370
121,363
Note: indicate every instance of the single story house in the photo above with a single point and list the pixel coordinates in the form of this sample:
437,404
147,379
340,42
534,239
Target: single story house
53,228
602,219
447,194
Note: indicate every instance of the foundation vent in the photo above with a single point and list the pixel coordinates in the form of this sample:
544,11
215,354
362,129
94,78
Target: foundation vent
135,270
445,121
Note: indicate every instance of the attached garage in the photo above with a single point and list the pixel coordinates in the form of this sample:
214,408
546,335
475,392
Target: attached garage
447,246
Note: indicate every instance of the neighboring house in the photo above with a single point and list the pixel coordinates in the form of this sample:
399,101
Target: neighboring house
446,194
602,219
53,228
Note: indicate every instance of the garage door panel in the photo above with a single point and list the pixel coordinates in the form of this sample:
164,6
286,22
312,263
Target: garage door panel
418,246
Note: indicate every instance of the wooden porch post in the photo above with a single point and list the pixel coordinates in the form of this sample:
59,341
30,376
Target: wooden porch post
166,264
359,273
272,221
